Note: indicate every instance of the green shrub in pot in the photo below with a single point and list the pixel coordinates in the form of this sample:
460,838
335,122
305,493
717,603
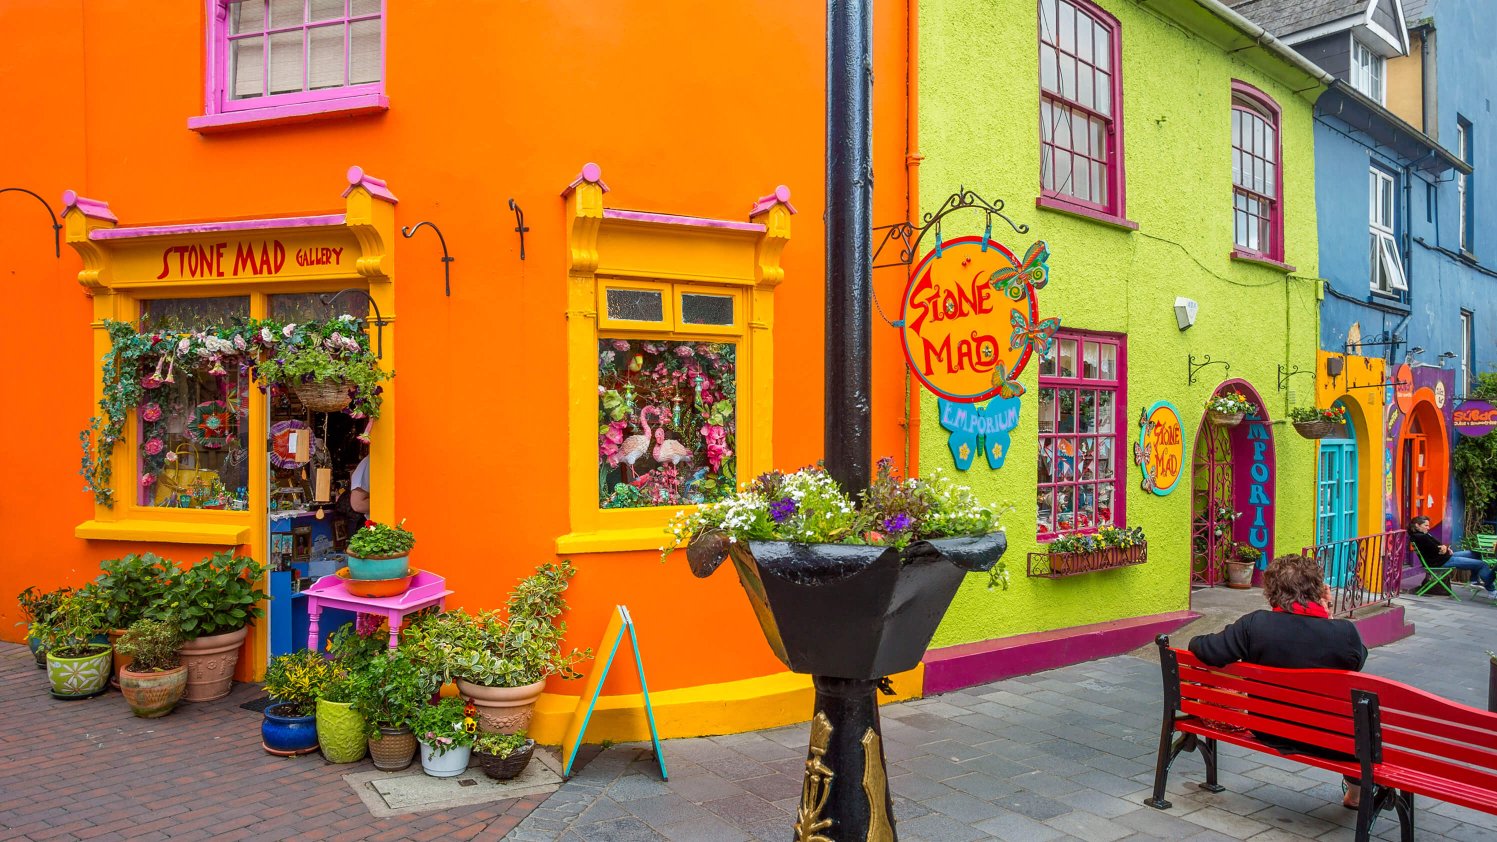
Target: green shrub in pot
78,663
131,585
388,691
37,608
154,681
219,594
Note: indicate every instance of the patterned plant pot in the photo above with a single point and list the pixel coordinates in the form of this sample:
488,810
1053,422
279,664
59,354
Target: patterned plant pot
502,710
507,766
379,567
285,735
393,749
80,678
153,694
210,663
449,764
340,732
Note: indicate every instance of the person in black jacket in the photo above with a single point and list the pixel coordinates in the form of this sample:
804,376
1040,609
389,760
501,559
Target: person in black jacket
1297,634
1437,554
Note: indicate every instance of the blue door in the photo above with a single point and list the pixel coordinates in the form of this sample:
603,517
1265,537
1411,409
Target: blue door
1336,506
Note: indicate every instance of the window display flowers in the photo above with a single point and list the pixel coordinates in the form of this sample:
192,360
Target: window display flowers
151,411
1304,414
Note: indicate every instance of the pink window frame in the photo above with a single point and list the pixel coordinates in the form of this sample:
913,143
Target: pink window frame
1116,208
1119,435
219,109
1264,105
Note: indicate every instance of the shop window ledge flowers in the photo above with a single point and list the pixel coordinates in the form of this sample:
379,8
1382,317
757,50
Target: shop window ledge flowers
1108,548
278,355
820,567
1314,423
1227,409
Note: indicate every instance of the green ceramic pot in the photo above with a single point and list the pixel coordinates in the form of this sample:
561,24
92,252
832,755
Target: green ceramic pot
80,678
340,732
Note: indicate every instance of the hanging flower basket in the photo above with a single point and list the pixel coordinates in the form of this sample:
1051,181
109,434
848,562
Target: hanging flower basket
1224,419
1318,429
323,395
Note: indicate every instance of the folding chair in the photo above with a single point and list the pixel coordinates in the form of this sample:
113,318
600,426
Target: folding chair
1434,576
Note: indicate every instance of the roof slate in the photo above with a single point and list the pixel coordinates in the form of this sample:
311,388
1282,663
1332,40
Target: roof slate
1283,18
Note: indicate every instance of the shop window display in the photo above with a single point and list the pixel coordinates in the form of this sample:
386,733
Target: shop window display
1081,411
666,422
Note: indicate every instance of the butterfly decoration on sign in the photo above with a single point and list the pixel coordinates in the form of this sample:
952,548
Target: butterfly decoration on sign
1007,388
1039,336
977,429
1144,450
1032,272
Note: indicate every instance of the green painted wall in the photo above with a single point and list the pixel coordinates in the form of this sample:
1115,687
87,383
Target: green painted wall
979,112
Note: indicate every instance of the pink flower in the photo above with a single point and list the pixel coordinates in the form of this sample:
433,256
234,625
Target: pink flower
717,445
288,330
147,480
152,411
150,381
171,456
239,342
620,345
685,351
154,446
609,441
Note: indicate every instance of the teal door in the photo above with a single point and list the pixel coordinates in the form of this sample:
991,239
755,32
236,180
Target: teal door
1336,509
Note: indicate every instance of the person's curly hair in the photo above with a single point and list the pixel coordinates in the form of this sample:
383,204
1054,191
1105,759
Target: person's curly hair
1290,579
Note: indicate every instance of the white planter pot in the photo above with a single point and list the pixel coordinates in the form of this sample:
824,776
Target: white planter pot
448,765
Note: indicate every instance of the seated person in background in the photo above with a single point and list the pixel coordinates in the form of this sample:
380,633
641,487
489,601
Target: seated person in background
1297,634
1436,554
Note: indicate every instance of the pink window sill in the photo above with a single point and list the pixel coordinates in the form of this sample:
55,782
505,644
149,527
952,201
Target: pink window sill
298,112
1062,206
1260,259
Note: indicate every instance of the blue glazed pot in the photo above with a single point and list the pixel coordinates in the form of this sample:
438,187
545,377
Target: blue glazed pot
390,567
285,735
37,652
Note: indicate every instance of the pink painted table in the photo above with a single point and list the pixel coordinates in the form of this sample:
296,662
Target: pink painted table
427,589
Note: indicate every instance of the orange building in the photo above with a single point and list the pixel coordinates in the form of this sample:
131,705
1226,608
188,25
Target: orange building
649,147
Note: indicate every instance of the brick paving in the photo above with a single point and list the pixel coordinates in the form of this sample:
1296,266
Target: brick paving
1066,754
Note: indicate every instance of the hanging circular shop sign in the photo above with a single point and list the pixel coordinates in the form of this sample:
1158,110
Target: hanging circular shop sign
1403,388
1474,418
1160,452
970,320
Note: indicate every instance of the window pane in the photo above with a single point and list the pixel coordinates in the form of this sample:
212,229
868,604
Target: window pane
1067,358
248,16
1087,413
325,10
1065,507
1089,355
1047,21
365,59
1109,362
287,12
1047,362
1066,422
1104,93
1104,504
1066,28
325,69
1085,496
1067,76
192,314
302,307
699,309
1085,86
286,54
636,305
1046,509
1084,38
248,58
1102,51
193,453
667,423
1104,412
1047,411
1047,69
364,7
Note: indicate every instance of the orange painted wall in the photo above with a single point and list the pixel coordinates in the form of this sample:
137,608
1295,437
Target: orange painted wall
688,107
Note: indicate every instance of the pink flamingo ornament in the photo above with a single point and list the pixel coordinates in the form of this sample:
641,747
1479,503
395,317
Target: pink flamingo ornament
669,450
635,447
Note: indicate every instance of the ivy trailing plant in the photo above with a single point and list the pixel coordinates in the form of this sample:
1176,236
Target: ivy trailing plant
1475,461
281,354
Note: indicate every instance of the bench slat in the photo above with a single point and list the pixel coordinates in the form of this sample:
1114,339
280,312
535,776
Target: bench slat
1335,742
1217,678
1440,768
1395,696
1246,740
1478,756
1272,716
1434,786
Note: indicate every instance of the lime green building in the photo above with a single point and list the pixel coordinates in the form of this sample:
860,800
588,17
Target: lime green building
1165,153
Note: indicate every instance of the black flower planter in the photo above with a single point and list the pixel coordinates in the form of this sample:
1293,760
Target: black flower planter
848,616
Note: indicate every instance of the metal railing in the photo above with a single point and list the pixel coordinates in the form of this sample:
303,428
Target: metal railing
1363,572
1055,565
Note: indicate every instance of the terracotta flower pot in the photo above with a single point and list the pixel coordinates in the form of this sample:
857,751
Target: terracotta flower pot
210,663
502,710
79,678
340,732
121,660
153,694
1240,574
393,749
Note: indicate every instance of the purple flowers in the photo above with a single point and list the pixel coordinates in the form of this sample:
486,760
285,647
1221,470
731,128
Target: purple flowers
781,510
898,523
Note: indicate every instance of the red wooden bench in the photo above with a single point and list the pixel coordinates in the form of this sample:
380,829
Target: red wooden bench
1397,741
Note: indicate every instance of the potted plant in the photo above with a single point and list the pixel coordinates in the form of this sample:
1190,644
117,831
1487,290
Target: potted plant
1315,423
1227,409
1108,547
502,661
328,365
38,607
1241,559
379,552
127,588
446,731
215,599
78,653
388,691
503,756
153,678
340,728
294,681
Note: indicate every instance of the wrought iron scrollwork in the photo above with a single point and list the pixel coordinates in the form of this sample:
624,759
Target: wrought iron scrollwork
909,236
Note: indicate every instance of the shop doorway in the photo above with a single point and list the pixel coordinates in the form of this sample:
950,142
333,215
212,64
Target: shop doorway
1232,490
1422,464
1336,481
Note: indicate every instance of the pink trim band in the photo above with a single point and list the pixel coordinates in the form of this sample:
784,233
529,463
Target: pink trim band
780,196
591,173
672,219
211,227
349,106
91,208
376,186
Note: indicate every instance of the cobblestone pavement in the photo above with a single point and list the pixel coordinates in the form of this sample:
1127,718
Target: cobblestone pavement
1066,754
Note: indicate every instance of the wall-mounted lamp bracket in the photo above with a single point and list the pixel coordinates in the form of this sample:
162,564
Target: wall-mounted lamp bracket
520,226
327,300
447,259
56,226
1380,385
1285,375
1192,366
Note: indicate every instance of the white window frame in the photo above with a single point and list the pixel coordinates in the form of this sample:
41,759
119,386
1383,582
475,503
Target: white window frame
1466,352
1462,141
1382,243
1368,70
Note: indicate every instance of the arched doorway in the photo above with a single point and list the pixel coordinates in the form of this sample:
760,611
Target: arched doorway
1232,488
1336,482
1421,463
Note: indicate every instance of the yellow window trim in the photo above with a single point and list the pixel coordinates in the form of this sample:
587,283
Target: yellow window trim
661,252
169,532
